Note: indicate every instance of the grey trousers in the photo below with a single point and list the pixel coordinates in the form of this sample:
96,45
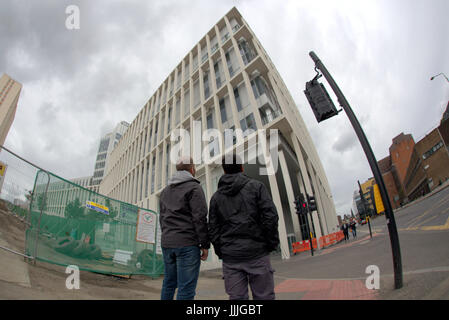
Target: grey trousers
258,274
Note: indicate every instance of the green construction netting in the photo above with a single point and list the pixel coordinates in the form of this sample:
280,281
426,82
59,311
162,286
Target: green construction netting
71,225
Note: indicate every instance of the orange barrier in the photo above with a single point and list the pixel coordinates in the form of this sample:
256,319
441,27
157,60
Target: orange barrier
324,241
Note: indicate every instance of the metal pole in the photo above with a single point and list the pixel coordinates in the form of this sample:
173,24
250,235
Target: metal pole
393,232
309,231
365,208
312,233
44,201
369,227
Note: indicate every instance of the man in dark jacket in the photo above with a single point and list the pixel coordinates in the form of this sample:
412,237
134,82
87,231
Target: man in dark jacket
243,228
345,229
184,238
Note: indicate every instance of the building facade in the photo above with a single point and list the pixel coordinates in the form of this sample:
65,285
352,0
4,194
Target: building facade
394,168
429,167
9,96
107,144
227,81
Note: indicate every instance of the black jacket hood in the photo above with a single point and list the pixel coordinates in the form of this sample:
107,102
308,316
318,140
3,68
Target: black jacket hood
231,184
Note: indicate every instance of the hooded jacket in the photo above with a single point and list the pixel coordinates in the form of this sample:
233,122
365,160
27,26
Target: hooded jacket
243,221
183,213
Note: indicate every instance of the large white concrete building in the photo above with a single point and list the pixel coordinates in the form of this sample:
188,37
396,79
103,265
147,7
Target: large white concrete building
227,81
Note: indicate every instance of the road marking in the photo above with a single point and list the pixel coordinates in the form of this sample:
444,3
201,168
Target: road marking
433,228
416,220
429,228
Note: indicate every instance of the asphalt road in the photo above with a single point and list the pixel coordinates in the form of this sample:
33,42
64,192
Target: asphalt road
424,240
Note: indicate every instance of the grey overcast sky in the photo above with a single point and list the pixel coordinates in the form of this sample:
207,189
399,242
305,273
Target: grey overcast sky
78,84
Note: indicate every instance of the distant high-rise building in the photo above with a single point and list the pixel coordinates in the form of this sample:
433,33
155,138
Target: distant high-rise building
107,144
9,96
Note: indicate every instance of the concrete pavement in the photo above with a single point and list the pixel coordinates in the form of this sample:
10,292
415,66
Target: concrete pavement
13,268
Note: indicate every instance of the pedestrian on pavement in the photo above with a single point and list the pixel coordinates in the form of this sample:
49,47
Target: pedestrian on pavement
243,228
345,230
353,227
184,238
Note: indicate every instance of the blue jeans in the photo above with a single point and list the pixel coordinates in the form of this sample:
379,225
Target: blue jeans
182,268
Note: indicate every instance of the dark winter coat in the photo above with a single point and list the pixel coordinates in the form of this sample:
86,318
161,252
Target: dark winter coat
183,213
243,221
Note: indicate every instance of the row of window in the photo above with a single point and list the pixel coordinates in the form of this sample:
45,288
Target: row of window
101,156
100,165
104,145
432,150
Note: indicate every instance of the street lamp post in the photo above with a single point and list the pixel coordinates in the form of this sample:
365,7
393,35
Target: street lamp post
440,75
394,237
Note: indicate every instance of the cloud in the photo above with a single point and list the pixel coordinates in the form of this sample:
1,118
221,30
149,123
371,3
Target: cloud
77,85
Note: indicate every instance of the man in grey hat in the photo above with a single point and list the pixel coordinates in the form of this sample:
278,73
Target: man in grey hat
184,239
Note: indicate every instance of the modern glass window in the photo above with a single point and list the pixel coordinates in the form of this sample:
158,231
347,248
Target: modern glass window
224,116
167,164
149,140
153,170
237,99
178,111
219,76
230,60
141,181
101,156
245,51
186,103
195,63
214,44
227,137
172,86
206,85
186,72
147,176
169,120
196,93
204,57
248,123
144,145
104,144
162,126
178,80
160,170
210,120
100,165
164,96
258,86
155,133
224,34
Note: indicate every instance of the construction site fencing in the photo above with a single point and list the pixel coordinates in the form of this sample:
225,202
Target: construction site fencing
323,241
68,224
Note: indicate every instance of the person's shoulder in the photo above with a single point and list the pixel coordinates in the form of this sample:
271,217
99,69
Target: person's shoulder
254,183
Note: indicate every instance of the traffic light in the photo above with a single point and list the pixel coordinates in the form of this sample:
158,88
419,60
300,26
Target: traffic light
319,100
300,205
311,203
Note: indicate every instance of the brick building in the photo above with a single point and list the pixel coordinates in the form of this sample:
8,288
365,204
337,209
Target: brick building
429,166
394,167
